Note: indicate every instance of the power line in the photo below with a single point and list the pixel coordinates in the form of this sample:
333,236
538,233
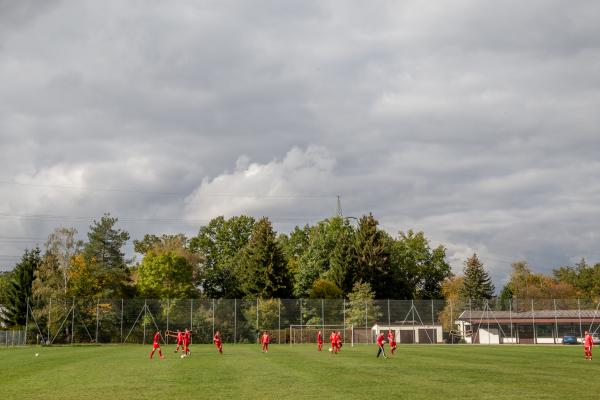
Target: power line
120,190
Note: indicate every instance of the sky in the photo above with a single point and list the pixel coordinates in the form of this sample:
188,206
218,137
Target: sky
476,122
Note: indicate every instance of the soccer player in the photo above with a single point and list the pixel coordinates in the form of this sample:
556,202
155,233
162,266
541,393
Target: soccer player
264,340
333,342
319,341
179,337
156,345
392,340
380,343
338,341
588,343
187,339
217,341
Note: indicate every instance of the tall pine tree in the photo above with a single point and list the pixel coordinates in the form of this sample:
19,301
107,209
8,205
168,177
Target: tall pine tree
19,289
261,266
477,283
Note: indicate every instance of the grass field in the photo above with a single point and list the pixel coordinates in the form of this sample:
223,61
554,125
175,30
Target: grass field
299,372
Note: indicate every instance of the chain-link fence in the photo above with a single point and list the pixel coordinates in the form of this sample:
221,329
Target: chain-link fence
475,321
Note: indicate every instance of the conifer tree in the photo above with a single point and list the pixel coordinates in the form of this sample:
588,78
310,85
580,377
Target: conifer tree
477,283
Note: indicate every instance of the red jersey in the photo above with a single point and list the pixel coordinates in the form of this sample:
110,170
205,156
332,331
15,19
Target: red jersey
179,336
217,339
380,340
588,341
156,338
391,337
265,339
187,337
319,338
332,337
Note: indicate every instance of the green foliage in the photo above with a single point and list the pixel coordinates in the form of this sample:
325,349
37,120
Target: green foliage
19,288
361,309
218,244
477,283
583,277
105,258
165,276
261,267
420,271
5,279
324,289
328,255
373,264
525,284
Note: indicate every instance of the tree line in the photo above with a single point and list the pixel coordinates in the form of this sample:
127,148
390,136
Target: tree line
243,257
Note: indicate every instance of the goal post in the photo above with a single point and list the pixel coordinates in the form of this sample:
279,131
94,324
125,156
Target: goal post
301,334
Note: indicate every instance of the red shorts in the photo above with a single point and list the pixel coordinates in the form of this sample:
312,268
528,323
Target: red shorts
180,343
218,344
392,344
156,345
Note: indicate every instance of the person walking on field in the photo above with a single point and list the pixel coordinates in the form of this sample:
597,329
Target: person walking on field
588,343
319,341
264,340
380,343
392,340
217,341
156,345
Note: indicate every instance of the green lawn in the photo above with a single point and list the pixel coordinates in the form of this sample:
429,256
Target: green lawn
300,372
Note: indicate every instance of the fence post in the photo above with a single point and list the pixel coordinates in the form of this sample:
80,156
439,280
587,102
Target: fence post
301,339
122,320
555,322
412,308
26,319
73,322
533,322
234,321
344,311
389,317
579,316
513,339
366,322
168,308
323,315
213,317
97,319
257,316
471,320
191,318
49,321
144,324
279,323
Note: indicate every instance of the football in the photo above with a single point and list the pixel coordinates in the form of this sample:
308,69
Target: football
182,356
330,349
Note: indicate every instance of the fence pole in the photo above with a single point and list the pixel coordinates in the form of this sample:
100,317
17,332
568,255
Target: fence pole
257,316
73,322
579,315
389,317
366,323
213,316
97,319
533,322
471,320
344,311
323,315
234,321
168,307
514,340
432,317
144,324
26,319
191,318
122,306
279,323
451,321
301,339
555,322
412,308
49,321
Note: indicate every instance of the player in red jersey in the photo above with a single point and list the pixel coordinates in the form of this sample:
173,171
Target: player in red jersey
179,337
392,340
380,343
319,341
156,345
588,343
265,340
187,339
217,341
333,342
338,341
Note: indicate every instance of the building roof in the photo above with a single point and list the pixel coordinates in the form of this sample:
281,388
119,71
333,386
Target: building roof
530,316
